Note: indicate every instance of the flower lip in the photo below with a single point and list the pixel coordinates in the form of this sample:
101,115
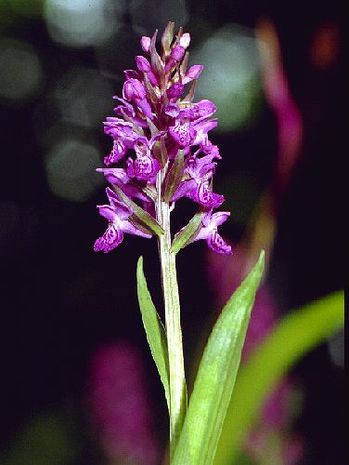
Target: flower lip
143,168
109,241
183,133
117,214
218,244
208,232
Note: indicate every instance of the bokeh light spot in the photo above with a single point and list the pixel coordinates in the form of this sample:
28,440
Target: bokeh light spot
83,97
81,23
21,72
71,170
231,76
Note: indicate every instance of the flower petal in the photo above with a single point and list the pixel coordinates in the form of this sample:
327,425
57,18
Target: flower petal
143,168
117,153
107,212
207,198
218,244
121,210
129,228
192,73
110,239
183,133
145,43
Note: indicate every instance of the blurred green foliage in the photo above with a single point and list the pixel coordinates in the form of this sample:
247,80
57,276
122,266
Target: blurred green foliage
47,440
294,336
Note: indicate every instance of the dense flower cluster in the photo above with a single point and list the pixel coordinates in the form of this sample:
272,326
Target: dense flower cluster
161,146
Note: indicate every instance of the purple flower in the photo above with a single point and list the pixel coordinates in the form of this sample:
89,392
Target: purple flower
127,111
198,186
119,177
191,124
198,111
175,91
134,91
145,43
124,138
117,214
183,133
178,52
161,147
145,167
144,66
192,74
208,231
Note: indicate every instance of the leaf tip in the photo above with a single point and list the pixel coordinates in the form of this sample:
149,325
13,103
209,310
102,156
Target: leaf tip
261,258
140,264
259,266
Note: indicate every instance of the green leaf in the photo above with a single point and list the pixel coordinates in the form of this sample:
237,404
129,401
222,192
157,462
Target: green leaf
174,177
149,223
160,151
46,439
216,376
297,333
167,37
187,234
154,329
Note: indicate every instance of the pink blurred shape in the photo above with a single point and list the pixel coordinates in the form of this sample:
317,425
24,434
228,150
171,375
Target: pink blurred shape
119,406
278,95
271,440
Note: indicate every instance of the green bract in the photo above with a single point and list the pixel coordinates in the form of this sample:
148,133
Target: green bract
154,329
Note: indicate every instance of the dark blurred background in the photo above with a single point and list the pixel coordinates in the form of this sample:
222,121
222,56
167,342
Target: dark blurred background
61,61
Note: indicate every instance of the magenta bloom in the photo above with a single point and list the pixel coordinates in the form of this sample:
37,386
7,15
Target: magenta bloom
118,215
197,186
209,232
160,146
145,167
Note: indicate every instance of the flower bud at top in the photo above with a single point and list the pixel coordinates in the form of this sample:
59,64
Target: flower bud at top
145,43
184,41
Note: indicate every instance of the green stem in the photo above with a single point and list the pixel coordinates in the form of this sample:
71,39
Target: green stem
178,390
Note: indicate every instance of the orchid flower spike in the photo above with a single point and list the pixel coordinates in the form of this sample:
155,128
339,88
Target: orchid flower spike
160,146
